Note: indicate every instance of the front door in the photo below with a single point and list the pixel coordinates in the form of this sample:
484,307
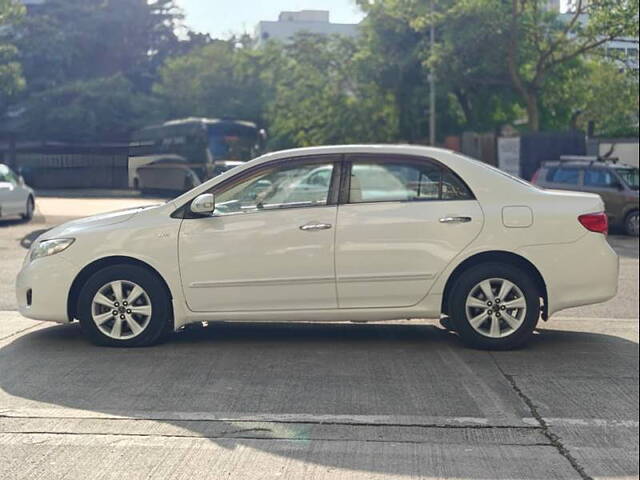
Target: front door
403,222
269,244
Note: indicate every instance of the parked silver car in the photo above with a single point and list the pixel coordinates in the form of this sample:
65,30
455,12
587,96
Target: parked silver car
16,198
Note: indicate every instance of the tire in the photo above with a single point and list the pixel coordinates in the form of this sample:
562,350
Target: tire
29,209
631,224
145,324
494,332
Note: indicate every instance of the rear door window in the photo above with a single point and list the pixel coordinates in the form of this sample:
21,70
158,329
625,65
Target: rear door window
393,180
565,175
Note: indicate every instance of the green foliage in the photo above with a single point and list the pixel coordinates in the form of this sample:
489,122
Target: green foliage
106,109
96,69
11,79
610,100
70,40
220,79
598,91
321,97
489,50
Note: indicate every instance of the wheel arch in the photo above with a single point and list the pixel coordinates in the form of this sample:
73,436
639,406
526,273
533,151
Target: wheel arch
96,265
501,257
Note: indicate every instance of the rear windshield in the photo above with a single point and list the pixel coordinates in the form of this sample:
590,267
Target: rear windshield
505,174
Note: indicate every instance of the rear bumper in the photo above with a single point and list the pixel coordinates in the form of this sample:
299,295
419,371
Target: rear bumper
579,273
42,289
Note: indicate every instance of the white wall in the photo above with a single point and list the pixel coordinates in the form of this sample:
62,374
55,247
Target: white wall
626,151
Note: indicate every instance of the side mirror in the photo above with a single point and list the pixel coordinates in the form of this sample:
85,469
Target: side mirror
203,204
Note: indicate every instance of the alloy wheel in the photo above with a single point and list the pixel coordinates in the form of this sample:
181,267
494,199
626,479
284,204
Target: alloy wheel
496,308
633,225
121,309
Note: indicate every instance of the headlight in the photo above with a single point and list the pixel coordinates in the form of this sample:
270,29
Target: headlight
51,247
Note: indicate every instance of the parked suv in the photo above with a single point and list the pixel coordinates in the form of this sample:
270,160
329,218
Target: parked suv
616,183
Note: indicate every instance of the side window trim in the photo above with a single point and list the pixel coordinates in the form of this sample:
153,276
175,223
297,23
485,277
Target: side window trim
345,186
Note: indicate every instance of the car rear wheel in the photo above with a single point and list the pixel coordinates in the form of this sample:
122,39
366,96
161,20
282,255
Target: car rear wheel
124,306
495,306
631,224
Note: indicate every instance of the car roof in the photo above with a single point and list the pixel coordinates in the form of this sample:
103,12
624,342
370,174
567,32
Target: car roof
419,150
584,163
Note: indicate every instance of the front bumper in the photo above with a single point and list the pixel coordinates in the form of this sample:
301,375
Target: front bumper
42,289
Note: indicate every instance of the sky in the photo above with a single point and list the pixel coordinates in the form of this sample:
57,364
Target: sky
222,18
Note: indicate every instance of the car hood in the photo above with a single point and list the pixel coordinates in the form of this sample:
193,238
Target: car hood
69,229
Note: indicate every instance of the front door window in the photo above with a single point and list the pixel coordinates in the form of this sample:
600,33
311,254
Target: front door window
298,185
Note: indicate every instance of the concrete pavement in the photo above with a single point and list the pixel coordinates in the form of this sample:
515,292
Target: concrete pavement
320,401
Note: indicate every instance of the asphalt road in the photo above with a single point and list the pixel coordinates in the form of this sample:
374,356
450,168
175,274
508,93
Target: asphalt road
339,401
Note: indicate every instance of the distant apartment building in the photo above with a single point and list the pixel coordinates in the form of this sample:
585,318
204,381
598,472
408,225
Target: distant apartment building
623,49
290,23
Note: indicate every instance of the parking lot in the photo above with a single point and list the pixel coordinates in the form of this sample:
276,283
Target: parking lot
381,401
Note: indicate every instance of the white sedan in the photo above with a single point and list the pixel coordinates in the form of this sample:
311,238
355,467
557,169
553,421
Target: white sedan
16,198
386,232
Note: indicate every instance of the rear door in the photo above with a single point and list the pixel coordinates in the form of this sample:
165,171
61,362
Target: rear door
401,221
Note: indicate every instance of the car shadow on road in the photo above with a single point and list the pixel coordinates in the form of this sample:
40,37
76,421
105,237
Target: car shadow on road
232,377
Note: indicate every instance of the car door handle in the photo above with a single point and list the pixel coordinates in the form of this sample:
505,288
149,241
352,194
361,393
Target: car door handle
455,219
309,227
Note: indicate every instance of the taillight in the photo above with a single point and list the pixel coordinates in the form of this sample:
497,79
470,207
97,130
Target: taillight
595,222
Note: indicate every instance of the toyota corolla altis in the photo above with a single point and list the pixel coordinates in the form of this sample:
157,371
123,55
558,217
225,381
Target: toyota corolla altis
344,233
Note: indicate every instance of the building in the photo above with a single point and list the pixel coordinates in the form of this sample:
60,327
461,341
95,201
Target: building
290,23
623,49
32,5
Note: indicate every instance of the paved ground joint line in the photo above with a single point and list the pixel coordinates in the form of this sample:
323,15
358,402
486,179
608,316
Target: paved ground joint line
21,331
8,414
237,434
552,437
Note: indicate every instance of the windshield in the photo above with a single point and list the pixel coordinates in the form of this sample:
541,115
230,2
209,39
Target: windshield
629,177
231,142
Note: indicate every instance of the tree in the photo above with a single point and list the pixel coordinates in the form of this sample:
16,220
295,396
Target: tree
220,79
597,90
540,42
320,96
105,109
11,79
471,94
72,40
488,45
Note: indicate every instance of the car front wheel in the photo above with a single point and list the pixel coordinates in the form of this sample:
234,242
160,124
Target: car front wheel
124,306
495,306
